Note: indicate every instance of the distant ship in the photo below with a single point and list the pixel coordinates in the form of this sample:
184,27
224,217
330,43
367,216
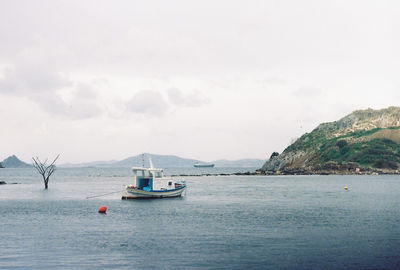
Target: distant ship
199,165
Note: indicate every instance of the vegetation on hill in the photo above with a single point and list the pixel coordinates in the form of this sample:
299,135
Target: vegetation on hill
364,141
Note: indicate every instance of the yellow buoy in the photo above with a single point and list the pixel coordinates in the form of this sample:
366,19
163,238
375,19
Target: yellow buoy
346,187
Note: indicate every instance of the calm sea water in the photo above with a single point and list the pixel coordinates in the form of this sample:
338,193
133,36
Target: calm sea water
222,222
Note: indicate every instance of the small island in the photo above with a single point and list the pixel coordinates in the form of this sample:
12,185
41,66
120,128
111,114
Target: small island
363,142
14,162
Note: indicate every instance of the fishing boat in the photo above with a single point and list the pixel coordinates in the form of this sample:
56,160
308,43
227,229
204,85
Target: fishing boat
151,183
201,165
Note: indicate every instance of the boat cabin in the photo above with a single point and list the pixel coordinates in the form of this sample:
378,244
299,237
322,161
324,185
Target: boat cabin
149,179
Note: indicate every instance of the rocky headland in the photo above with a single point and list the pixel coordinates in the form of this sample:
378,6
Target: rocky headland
363,142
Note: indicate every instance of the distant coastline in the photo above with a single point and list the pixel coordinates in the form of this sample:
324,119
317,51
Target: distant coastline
170,161
163,161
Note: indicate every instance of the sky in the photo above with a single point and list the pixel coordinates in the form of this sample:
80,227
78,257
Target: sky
105,80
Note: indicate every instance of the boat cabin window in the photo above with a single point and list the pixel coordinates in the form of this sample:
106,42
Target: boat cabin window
158,174
142,173
169,183
139,173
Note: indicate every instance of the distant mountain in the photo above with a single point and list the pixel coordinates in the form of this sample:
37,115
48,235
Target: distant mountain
159,161
166,161
256,163
89,164
14,162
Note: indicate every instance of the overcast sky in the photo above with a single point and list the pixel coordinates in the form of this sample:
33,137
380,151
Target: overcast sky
103,80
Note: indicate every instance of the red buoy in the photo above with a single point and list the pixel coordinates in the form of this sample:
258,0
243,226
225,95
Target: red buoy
103,209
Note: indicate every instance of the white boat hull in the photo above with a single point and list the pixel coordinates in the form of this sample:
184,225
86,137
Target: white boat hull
133,193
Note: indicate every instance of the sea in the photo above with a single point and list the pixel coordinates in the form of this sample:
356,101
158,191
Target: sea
221,222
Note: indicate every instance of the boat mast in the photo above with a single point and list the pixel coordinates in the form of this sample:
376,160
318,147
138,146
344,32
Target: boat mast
151,163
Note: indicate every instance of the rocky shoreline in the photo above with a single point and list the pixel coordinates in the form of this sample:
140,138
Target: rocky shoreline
364,171
331,172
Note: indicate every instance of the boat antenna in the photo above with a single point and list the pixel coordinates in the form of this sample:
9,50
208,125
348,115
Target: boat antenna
143,160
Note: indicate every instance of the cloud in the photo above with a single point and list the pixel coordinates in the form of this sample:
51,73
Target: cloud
194,99
274,80
43,86
307,91
148,102
83,103
85,91
29,80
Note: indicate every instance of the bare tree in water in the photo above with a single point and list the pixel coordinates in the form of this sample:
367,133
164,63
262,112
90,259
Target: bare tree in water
45,170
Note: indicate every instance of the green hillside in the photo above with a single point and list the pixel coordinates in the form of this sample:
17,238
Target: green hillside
364,141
